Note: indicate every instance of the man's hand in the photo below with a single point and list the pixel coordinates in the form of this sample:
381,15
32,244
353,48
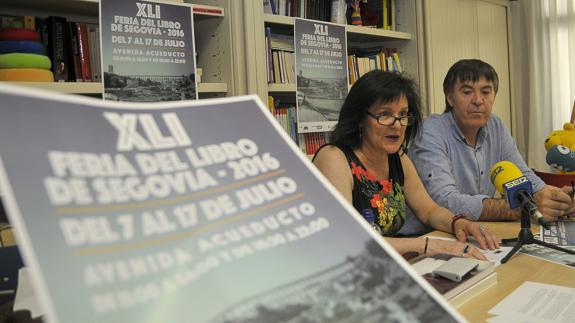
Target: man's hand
552,202
571,192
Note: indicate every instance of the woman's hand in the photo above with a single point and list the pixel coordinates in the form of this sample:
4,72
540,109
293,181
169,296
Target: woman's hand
465,228
456,248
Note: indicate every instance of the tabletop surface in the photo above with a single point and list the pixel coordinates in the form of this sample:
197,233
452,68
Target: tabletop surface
520,268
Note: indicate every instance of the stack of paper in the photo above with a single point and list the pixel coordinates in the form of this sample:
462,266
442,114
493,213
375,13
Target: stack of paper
536,302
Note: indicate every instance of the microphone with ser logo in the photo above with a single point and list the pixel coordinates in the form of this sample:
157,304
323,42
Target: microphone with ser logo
511,183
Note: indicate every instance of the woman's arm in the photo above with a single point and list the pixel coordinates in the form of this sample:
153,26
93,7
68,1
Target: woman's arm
434,246
331,161
438,217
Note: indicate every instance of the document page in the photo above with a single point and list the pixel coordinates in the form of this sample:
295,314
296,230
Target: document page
537,302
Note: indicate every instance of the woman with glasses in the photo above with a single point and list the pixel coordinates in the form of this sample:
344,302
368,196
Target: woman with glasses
366,162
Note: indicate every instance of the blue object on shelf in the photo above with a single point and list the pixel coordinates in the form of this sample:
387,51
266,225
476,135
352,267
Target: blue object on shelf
21,46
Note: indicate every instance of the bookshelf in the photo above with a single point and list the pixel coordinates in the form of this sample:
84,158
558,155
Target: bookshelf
212,35
404,39
359,33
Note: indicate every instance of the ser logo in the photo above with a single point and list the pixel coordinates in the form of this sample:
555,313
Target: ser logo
496,172
516,182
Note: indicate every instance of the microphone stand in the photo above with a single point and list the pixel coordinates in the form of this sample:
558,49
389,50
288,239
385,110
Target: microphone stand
525,237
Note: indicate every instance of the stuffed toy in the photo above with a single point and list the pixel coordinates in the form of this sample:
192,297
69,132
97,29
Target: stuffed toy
560,145
565,137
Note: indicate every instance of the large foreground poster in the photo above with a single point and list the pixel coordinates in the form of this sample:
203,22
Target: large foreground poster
148,51
189,212
321,67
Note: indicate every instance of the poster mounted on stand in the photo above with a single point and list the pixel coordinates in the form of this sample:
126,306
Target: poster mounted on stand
148,51
321,68
189,211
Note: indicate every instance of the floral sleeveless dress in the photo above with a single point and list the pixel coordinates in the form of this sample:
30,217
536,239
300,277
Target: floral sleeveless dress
384,196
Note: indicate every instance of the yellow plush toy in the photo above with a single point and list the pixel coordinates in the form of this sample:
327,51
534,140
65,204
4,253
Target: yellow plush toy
558,157
565,137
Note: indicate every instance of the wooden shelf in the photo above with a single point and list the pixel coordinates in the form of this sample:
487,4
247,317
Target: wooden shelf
96,87
358,32
65,87
281,87
209,11
212,88
278,20
377,32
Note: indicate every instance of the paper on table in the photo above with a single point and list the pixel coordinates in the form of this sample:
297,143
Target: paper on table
25,297
516,319
538,302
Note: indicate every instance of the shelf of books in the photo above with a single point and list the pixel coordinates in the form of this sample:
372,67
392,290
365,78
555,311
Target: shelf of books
79,20
90,7
357,31
386,40
55,7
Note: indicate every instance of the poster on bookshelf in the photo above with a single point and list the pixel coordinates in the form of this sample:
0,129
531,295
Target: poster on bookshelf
321,80
148,51
198,211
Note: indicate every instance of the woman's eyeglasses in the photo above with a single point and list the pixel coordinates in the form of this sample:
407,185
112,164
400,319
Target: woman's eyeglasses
389,120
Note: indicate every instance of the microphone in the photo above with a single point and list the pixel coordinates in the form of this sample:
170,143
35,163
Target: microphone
510,182
561,157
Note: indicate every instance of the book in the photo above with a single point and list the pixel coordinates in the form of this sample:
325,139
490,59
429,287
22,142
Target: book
57,32
94,46
281,42
271,104
9,21
268,6
269,56
74,63
30,22
276,66
371,13
480,278
6,235
397,63
84,53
